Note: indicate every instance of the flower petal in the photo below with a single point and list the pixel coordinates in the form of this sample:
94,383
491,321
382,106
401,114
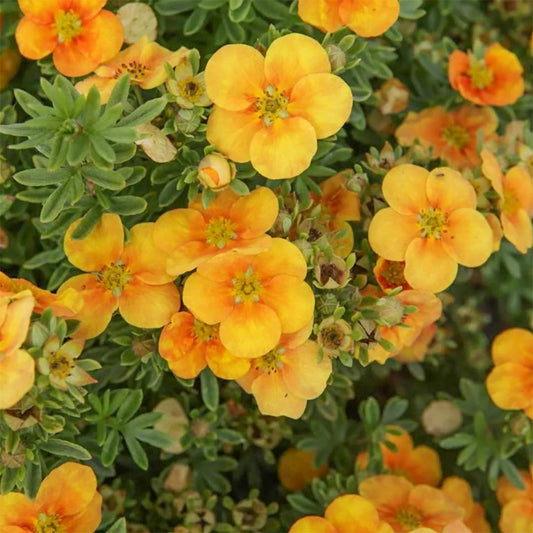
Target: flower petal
225,365
87,9
351,512
283,257
517,229
469,239
388,493
293,56
87,520
369,18
492,171
517,516
322,14
404,189
232,132
101,247
437,507
284,149
255,213
324,100
274,399
43,12
251,330
514,345
390,233
34,40
428,266
15,320
446,189
234,76
105,86
510,386
18,372
312,524
18,509
148,306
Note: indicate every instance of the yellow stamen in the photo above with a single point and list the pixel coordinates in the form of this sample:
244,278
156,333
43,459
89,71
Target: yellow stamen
190,89
393,273
409,518
136,69
205,332
332,336
48,524
67,25
60,364
219,231
271,362
432,222
480,75
272,105
114,277
246,287
456,136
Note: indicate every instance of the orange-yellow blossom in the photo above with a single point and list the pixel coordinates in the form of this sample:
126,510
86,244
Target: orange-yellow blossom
66,502
79,33
296,468
271,109
129,277
517,504
431,224
192,236
367,18
510,382
515,190
255,298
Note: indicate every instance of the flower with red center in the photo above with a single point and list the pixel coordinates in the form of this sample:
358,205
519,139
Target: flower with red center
434,223
287,376
17,367
192,236
129,277
420,464
144,61
510,382
271,110
79,33
406,507
189,345
452,135
515,190
66,502
255,298
497,79
517,504
389,274
367,18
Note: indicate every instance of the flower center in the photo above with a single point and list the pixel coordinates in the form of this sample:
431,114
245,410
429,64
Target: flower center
190,89
60,364
331,271
456,136
246,287
114,277
409,518
271,362
219,231
510,203
48,524
136,69
204,332
67,25
393,274
432,222
480,75
272,105
332,337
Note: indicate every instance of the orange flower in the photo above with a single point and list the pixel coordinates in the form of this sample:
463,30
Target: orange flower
296,468
432,225
192,236
416,351
389,274
517,504
457,526
460,492
497,79
255,298
190,345
406,507
429,310
367,18
287,376
271,110
131,277
67,501
64,305
79,33
420,464
452,135
144,61
348,513
9,66
16,366
515,190
510,383
337,200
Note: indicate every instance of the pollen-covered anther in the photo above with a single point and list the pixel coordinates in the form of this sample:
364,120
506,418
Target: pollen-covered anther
48,524
246,287
272,105
114,277
219,231
68,25
432,222
480,75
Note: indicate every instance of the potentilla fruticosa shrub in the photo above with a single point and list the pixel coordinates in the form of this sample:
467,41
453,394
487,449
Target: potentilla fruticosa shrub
265,266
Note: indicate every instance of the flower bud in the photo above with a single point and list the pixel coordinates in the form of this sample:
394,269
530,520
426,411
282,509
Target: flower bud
335,335
393,97
441,417
337,57
216,172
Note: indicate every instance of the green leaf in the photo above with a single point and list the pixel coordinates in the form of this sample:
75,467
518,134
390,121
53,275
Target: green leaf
91,109
30,104
456,441
55,202
38,177
154,438
512,473
137,452
119,94
87,223
130,405
78,149
235,32
108,179
194,22
64,448
101,147
118,527
122,135
110,448
44,258
239,187
109,117
209,389
32,479
127,205
273,9
173,7
394,409
303,504
145,113
59,152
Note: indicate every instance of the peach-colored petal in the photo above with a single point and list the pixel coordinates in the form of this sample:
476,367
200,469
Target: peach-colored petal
234,76
148,306
351,512
437,507
88,520
369,18
386,492
404,189
469,238
516,517
284,149
18,372
510,386
312,524
101,247
251,330
14,321
293,56
428,267
518,230
283,257
324,100
446,189
225,365
513,345
391,233
34,40
255,213
492,171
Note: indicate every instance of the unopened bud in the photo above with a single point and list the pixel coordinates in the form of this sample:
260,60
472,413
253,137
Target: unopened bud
393,97
216,172
337,57
441,417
